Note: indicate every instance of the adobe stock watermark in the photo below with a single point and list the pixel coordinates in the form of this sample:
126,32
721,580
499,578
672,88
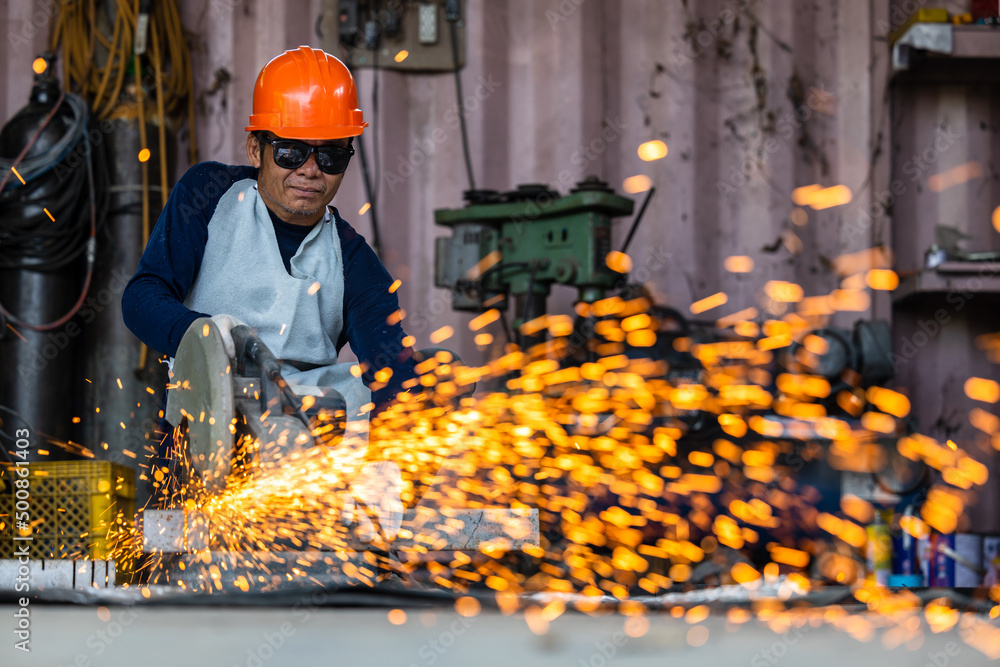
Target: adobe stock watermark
605,651
930,327
423,319
423,149
943,658
562,13
434,649
915,168
102,639
787,124
273,641
656,259
582,158
771,655
95,134
221,9
31,25
899,15
22,522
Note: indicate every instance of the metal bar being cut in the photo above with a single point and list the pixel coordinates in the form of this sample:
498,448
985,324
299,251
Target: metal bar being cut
423,529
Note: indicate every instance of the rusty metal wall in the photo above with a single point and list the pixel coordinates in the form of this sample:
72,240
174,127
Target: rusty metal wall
753,97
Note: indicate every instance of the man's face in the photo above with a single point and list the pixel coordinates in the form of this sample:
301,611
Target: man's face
297,196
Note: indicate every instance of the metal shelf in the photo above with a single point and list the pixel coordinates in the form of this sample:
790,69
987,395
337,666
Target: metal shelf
976,41
926,43
951,277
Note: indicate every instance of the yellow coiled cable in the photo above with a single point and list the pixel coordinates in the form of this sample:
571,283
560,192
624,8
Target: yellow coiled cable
77,33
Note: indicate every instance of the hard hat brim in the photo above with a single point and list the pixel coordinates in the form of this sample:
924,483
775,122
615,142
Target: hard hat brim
311,133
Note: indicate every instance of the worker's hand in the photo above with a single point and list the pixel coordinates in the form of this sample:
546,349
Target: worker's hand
375,494
226,324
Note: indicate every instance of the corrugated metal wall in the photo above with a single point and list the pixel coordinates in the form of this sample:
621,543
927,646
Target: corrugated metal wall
713,81
754,98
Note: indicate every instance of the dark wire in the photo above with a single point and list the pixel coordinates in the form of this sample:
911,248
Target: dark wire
375,76
638,219
366,177
461,105
376,237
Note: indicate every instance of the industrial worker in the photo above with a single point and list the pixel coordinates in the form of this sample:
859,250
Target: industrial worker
260,245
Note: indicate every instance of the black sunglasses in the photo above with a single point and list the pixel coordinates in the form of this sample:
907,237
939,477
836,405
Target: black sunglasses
291,154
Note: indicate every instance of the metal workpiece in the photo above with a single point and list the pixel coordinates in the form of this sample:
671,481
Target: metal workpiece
423,529
172,531
51,574
500,529
211,571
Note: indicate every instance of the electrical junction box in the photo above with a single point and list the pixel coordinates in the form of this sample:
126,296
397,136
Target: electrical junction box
410,35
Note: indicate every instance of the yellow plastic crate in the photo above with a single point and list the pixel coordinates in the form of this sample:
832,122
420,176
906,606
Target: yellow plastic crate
72,507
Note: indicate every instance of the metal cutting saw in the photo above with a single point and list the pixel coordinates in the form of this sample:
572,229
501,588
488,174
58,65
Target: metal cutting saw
223,403
241,410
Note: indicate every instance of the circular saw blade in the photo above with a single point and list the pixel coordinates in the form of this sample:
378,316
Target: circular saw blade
201,391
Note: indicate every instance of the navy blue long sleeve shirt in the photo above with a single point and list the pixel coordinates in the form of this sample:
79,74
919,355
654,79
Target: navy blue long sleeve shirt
153,302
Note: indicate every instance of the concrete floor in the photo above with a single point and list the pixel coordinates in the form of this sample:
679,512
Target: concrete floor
302,637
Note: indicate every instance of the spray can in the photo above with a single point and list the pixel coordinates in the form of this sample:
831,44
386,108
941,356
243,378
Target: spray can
942,566
879,551
991,560
904,548
925,557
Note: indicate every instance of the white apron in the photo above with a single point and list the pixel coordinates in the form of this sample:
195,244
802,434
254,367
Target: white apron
242,275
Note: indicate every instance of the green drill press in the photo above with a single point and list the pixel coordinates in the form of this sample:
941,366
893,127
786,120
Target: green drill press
522,242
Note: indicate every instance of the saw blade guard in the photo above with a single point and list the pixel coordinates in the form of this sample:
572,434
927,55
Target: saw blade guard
201,395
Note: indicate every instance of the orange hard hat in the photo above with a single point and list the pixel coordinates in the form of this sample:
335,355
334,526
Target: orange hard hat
306,93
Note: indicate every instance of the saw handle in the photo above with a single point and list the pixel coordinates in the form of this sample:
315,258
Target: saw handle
249,346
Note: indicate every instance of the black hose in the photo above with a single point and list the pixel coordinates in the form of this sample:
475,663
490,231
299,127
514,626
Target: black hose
54,234
366,176
32,167
461,105
638,219
45,242
376,195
